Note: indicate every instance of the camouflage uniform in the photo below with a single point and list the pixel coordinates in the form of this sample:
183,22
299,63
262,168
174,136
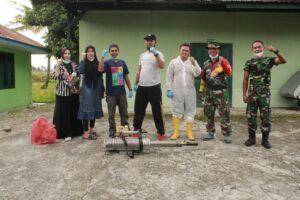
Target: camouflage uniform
259,92
216,96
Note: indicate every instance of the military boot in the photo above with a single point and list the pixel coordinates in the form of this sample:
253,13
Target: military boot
265,140
251,141
189,131
176,125
208,136
227,139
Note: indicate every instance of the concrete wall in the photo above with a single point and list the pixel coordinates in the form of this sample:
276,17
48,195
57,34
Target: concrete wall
19,96
127,28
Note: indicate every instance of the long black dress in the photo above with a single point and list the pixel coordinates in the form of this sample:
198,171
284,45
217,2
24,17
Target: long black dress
66,105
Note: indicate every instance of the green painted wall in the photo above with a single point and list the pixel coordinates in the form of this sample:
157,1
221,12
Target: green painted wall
127,28
19,96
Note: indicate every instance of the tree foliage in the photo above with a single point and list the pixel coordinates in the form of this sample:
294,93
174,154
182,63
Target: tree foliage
62,26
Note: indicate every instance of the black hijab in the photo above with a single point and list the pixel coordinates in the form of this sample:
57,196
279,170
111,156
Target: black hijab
91,69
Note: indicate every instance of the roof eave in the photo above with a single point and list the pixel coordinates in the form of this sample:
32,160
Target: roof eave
5,42
185,6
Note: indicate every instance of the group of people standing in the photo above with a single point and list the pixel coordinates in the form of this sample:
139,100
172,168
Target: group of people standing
76,114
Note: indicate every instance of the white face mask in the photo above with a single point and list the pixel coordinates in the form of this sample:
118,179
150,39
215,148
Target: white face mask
258,55
214,57
91,59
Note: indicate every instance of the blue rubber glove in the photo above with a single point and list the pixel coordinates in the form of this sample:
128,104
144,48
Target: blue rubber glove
135,87
130,94
169,93
104,53
154,51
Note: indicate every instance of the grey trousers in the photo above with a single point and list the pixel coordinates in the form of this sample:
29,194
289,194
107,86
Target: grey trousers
112,103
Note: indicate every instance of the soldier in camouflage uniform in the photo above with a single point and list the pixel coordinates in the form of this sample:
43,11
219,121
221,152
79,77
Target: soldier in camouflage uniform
257,74
214,83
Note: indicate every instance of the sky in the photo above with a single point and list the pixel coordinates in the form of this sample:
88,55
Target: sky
8,10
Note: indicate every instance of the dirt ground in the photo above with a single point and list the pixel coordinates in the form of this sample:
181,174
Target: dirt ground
212,170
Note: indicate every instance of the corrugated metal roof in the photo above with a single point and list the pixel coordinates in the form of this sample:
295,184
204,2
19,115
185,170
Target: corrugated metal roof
13,35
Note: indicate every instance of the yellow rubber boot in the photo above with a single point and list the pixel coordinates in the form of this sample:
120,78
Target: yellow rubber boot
176,125
189,131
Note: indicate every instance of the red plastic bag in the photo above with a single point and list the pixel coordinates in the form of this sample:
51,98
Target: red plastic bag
42,132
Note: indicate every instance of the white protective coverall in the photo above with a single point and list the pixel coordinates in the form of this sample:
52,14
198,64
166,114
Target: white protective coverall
180,79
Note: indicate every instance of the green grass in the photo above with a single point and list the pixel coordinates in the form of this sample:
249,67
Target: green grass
42,95
38,76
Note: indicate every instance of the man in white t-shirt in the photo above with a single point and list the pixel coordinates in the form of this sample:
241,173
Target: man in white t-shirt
147,87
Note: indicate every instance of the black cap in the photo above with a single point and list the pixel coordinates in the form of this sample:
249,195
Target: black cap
150,36
211,43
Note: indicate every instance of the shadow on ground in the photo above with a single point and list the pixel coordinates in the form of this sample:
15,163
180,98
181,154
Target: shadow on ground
213,170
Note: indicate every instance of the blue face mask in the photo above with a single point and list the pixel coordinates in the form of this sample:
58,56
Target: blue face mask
66,61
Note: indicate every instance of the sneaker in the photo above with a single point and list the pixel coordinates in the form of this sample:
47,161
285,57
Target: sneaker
208,136
227,139
135,135
67,139
140,130
161,137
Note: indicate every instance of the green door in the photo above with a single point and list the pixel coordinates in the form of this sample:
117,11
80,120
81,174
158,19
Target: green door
199,51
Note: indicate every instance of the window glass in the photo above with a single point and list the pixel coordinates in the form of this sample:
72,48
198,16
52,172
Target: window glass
7,70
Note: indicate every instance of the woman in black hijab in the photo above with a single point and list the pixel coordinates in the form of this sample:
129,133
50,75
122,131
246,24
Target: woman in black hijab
90,97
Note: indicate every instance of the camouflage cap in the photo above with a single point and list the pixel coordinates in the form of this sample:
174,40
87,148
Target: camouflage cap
213,44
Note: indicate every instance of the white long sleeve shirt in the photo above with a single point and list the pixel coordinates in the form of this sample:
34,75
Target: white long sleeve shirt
181,74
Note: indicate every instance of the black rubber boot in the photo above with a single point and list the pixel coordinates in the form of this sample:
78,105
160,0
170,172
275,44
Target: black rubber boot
251,141
265,140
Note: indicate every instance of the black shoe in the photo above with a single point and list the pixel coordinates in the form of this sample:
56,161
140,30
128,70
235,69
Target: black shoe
250,142
112,133
266,144
265,140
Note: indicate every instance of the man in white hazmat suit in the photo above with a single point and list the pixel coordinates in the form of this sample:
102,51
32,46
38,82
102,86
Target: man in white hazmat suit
180,88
